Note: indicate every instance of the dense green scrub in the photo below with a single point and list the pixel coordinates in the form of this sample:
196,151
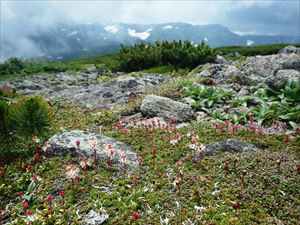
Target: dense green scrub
165,56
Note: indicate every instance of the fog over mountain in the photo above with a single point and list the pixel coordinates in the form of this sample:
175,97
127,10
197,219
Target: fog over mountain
68,29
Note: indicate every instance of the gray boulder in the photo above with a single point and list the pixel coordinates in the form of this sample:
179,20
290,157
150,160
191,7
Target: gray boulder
289,49
258,68
281,76
157,106
234,54
119,155
230,145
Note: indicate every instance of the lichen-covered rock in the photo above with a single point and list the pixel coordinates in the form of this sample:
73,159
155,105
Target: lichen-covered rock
258,68
83,143
157,106
230,145
219,72
289,49
281,76
223,74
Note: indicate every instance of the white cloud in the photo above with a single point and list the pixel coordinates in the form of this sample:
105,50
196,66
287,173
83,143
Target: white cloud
20,19
250,42
167,27
72,33
142,35
111,28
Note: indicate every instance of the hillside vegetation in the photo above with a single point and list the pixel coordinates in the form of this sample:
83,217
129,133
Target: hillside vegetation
218,145
165,56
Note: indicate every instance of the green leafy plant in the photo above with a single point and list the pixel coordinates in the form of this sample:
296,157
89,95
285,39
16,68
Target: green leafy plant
206,96
241,101
289,91
288,95
266,113
218,116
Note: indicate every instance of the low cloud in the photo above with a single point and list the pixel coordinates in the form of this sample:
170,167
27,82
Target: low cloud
21,19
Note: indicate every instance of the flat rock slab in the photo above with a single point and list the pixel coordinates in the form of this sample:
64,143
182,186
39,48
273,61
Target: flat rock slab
83,89
230,145
83,143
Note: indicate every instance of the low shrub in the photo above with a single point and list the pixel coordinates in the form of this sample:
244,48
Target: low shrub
23,119
176,54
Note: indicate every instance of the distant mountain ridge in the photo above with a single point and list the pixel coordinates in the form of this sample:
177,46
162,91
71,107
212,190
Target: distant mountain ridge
67,41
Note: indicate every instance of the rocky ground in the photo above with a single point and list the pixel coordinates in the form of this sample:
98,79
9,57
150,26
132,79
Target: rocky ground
146,144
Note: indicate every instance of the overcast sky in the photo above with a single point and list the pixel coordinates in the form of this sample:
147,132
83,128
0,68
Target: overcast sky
258,17
19,19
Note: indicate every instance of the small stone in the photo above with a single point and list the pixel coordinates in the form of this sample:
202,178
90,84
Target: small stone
230,145
201,116
188,101
220,60
93,218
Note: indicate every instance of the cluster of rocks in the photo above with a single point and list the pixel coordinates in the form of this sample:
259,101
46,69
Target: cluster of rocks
82,89
254,70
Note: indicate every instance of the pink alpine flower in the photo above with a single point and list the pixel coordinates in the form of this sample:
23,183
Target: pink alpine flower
235,205
175,139
226,168
25,205
298,168
140,160
154,151
49,198
134,216
178,163
77,143
47,146
85,163
72,172
36,139
93,143
287,139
